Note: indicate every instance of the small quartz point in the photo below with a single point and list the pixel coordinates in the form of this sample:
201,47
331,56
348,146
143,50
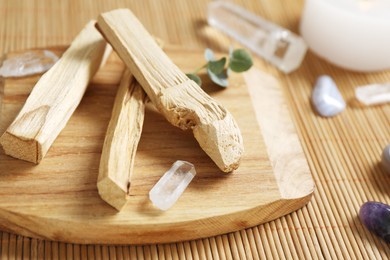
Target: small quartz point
386,159
28,63
275,44
172,184
373,94
327,98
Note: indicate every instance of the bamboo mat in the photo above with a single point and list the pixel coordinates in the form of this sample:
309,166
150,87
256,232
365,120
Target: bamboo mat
343,152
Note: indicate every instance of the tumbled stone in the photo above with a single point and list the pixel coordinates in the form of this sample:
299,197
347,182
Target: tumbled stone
376,217
28,63
172,184
327,98
373,94
386,159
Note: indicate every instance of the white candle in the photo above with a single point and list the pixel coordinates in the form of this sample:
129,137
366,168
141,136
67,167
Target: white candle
354,34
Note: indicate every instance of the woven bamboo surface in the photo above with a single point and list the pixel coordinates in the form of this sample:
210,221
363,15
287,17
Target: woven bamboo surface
343,152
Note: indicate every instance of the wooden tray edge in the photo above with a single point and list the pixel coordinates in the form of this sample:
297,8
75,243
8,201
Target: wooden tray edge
285,151
294,196
37,227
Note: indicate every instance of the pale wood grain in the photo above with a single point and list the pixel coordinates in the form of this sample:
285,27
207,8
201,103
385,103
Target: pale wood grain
60,200
121,142
54,98
280,135
183,103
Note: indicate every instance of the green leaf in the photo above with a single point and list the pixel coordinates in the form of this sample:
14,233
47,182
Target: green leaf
217,66
209,55
195,78
240,61
220,79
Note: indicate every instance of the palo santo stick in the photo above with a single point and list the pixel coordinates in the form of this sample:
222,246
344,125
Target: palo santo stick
182,102
121,141
54,98
120,144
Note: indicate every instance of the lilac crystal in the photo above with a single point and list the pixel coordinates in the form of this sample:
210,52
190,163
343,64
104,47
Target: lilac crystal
28,63
376,217
327,98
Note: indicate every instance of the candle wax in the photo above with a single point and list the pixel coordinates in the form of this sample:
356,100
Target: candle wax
354,34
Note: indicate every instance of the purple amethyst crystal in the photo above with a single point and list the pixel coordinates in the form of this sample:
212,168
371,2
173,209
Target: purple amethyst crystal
376,217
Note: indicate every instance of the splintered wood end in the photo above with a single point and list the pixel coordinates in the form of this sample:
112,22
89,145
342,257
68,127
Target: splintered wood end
222,141
182,102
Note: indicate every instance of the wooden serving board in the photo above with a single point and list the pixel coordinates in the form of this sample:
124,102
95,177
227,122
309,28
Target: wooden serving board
58,198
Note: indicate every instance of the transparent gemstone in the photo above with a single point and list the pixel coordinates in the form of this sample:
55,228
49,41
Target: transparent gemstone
172,185
275,44
28,63
327,98
386,159
373,94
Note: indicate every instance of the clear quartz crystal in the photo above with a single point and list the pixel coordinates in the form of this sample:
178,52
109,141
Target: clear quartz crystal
28,63
327,98
373,94
276,44
172,184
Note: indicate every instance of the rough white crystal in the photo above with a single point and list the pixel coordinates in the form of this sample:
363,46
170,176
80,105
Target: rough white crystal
373,94
28,63
172,184
326,97
275,44
386,158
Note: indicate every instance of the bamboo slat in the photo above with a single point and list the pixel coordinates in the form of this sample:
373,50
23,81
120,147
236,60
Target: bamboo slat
342,152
